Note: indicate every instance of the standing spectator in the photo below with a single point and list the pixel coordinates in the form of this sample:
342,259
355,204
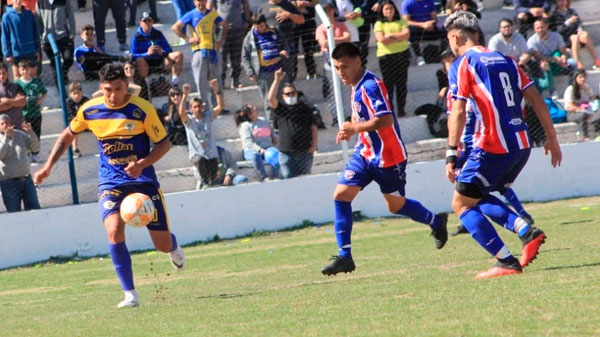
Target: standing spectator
134,78
262,54
74,102
528,11
202,150
392,35
182,7
297,129
28,4
507,42
237,15
205,47
117,7
341,34
578,97
20,36
36,94
89,57
306,33
12,98
58,19
133,10
152,52
284,16
258,141
421,16
175,129
15,176
565,20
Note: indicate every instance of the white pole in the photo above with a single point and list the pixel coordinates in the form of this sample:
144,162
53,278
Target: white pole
337,85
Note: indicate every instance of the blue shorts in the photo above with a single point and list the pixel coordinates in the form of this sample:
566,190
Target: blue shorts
360,172
490,172
110,202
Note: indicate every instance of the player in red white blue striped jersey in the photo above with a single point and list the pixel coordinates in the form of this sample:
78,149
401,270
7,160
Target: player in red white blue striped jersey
497,87
379,156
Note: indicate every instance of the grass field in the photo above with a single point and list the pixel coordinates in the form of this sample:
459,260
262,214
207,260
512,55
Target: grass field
270,285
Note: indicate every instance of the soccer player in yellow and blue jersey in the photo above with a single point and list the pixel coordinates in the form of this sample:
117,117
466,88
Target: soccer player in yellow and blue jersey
125,126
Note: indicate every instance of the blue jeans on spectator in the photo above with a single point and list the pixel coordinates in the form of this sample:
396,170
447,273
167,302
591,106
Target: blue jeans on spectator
259,165
239,179
182,7
16,189
294,164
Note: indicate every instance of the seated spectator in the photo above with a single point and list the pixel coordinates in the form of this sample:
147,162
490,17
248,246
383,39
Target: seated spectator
507,41
549,48
12,98
226,174
578,98
421,16
392,35
36,94
138,81
297,129
258,141
202,149
263,53
89,57
173,124
340,35
528,11
567,23
442,77
152,52
74,102
16,184
20,37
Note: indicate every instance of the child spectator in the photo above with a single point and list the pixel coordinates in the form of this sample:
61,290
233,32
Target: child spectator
89,57
36,94
20,36
12,98
76,99
258,141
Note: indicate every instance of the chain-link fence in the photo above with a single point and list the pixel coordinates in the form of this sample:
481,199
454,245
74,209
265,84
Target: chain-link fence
281,142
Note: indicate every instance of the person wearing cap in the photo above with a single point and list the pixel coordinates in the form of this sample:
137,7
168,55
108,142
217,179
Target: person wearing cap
15,160
152,52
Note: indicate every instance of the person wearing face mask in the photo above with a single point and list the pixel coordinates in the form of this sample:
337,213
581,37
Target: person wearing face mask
297,129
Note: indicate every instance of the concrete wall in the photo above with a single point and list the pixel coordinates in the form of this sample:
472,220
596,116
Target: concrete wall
199,215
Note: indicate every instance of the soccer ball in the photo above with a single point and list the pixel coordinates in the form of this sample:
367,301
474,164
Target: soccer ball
137,210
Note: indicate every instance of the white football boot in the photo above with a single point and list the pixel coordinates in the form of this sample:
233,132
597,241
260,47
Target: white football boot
177,258
131,300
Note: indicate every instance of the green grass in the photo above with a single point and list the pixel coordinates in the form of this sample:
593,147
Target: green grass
271,285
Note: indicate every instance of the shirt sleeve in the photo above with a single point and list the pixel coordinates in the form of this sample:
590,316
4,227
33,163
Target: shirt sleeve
378,27
153,126
568,96
376,98
458,77
524,79
78,124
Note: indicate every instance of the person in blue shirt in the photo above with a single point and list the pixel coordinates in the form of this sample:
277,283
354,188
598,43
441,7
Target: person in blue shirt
20,36
421,16
152,52
89,57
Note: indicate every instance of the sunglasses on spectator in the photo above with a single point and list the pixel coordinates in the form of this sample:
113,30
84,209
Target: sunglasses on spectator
289,93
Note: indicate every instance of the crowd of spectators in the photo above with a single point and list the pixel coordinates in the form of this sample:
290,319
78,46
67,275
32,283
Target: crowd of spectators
547,40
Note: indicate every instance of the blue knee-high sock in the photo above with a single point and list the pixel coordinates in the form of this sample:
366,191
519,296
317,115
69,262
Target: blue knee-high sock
122,262
514,201
173,242
343,227
503,215
417,212
484,233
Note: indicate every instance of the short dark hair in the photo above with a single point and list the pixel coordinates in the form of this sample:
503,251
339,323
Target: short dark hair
544,20
345,49
3,66
87,27
23,63
111,72
258,18
505,20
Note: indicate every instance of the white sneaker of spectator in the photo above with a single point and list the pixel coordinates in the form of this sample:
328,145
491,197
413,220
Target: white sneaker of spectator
131,300
177,258
420,61
182,42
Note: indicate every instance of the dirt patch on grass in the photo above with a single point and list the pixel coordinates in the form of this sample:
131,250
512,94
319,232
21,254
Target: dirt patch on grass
38,290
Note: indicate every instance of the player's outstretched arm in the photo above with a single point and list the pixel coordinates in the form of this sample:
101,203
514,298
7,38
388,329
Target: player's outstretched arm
541,111
62,144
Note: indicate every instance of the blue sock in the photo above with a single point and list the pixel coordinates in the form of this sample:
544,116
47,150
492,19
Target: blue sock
122,262
173,242
514,201
484,233
496,210
417,212
343,227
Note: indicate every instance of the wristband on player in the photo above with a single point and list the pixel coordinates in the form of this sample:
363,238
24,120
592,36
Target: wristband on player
451,155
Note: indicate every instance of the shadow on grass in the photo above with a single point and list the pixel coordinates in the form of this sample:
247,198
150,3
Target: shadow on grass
225,296
573,267
575,222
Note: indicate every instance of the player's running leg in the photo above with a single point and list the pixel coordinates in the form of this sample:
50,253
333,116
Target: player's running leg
115,229
342,226
514,201
167,243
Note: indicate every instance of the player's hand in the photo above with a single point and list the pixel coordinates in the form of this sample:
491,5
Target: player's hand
133,169
41,175
279,74
553,147
227,181
451,172
346,132
186,89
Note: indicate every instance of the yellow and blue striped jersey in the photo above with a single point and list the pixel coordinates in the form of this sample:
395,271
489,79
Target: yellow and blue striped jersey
124,134
202,26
